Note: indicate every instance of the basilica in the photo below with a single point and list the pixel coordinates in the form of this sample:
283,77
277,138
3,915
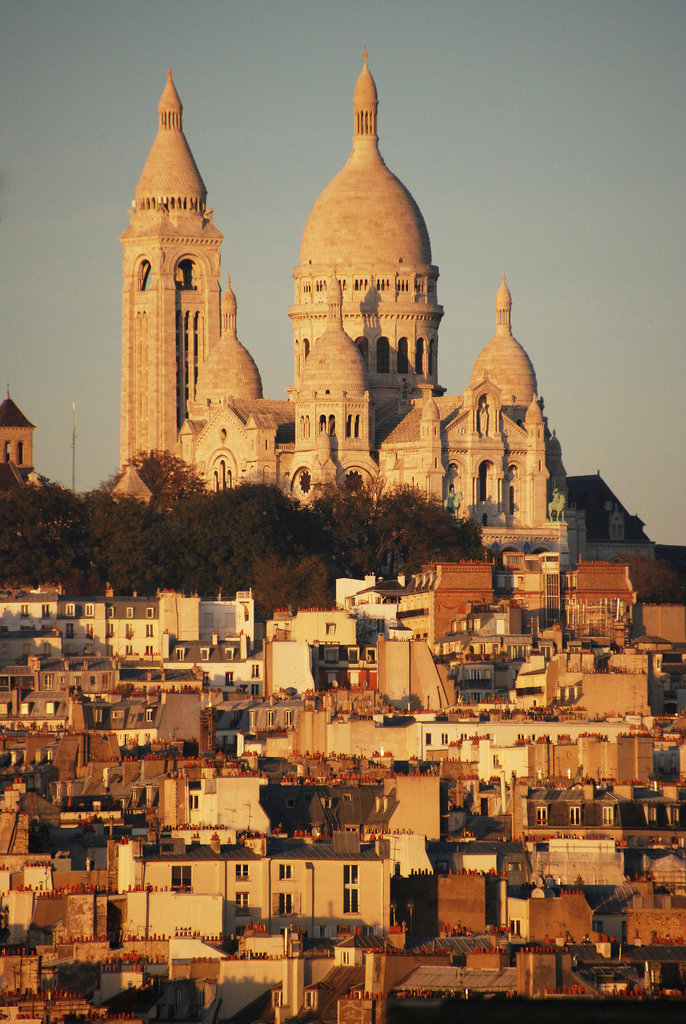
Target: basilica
365,402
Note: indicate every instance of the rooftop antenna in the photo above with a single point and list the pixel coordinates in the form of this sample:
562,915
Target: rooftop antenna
73,446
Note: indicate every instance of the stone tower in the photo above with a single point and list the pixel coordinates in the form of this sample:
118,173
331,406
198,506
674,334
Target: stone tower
367,231
171,294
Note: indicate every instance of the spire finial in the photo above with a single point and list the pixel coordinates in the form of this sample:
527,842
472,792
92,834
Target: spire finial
365,54
169,74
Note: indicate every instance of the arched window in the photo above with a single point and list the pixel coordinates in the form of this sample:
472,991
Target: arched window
353,481
363,346
383,363
20,453
7,451
483,481
144,276
185,274
357,426
403,365
216,480
348,425
332,425
512,500
306,349
431,369
307,426
322,424
419,356
302,426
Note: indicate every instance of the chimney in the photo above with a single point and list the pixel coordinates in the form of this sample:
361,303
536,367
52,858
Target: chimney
215,844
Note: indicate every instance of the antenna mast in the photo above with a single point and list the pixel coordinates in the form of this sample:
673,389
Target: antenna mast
73,446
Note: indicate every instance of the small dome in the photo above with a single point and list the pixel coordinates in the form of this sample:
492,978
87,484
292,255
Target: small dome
430,410
170,172
229,372
504,361
335,363
533,413
365,215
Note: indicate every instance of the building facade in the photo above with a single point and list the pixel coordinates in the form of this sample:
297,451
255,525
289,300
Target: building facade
365,402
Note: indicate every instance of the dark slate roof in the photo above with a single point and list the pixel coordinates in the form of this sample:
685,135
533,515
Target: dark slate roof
11,415
591,494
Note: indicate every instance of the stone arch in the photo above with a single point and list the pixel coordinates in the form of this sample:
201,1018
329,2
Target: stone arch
301,482
383,359
144,275
419,357
222,474
402,361
485,481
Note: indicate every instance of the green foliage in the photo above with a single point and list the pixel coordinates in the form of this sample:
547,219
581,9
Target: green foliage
656,582
384,531
168,477
42,537
252,536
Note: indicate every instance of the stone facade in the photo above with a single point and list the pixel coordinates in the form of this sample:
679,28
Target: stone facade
366,402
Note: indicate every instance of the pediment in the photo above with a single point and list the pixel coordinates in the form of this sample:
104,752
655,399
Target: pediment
513,429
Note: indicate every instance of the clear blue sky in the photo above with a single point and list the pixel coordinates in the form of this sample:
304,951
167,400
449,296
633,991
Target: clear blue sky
546,139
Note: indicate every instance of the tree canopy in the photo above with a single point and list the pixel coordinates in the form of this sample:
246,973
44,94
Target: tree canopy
251,536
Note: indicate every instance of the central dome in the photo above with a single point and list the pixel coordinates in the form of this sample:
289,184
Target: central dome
365,214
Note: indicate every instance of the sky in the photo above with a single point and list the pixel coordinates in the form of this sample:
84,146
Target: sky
546,139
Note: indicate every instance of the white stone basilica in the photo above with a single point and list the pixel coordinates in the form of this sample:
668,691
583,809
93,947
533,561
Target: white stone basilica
365,400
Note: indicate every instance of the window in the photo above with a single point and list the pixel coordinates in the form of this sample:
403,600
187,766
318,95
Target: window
128,649
541,815
428,739
24,611
515,927
350,889
444,739
110,611
70,611
270,719
382,356
609,815
288,717
90,611
180,653
149,714
574,815
255,673
149,629
242,903
285,871
228,677
129,632
49,680
110,629
181,876
194,801
331,629
242,870
204,654
90,631
70,631
311,998
150,613
403,364
285,904
129,613
45,611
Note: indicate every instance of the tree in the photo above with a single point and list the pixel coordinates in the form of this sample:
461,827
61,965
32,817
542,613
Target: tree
168,477
43,537
656,582
383,530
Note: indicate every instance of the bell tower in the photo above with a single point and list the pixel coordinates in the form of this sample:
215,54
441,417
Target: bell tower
171,293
